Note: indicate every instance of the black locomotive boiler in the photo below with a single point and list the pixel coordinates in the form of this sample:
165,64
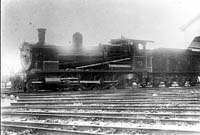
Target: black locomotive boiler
117,64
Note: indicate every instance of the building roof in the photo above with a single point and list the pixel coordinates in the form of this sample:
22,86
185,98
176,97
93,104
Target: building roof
195,44
125,40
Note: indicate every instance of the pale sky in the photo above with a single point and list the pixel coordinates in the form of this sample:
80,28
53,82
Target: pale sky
98,21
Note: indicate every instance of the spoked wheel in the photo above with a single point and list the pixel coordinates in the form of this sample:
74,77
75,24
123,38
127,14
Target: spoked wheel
82,87
113,87
30,87
96,87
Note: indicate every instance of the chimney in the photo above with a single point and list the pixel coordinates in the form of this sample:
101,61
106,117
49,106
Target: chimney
41,35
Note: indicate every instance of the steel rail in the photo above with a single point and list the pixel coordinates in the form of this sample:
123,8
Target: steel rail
119,91
48,130
49,125
114,93
114,114
121,107
111,101
111,92
113,98
62,115
108,102
185,95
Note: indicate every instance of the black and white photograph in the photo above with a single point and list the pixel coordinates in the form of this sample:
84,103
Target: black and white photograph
100,67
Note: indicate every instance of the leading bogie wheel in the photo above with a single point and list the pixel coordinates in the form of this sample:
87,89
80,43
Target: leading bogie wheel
30,87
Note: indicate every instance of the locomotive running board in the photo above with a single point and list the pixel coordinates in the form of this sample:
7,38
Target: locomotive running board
107,62
84,82
73,81
37,82
69,78
110,81
119,66
95,82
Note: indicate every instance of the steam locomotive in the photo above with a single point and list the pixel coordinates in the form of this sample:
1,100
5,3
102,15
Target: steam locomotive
114,65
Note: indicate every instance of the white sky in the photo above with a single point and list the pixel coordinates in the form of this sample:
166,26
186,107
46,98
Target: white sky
98,21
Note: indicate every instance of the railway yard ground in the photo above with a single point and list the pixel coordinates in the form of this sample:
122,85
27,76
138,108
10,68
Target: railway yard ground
145,111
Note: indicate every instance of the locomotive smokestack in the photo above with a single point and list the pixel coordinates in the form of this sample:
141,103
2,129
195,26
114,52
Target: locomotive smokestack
41,35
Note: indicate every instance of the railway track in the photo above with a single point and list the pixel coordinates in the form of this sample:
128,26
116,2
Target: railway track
139,111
